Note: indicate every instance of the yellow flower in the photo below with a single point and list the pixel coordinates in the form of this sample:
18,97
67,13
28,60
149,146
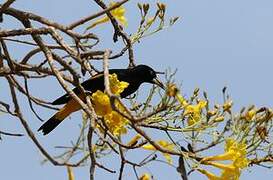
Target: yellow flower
117,86
229,171
212,113
164,145
172,90
250,114
227,106
145,176
234,151
210,175
116,123
117,13
239,152
194,112
219,119
181,100
134,141
101,103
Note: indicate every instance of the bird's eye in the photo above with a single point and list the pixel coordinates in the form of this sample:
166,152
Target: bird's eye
152,73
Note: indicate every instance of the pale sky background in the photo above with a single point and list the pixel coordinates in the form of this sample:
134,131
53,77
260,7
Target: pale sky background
214,44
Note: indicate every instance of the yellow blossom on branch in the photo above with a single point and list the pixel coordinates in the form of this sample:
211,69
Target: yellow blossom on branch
173,91
210,175
181,100
114,121
134,140
145,176
194,112
164,145
117,86
219,119
118,13
234,151
227,106
250,114
229,171
101,103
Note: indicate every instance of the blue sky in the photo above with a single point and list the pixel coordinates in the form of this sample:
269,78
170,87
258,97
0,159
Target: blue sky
214,44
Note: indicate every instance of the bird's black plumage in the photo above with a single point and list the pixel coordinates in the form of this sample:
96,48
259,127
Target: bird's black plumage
134,76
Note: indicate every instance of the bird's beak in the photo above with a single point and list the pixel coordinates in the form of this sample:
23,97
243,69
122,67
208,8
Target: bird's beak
158,82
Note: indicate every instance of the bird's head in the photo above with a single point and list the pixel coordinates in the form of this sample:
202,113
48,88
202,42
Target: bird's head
146,74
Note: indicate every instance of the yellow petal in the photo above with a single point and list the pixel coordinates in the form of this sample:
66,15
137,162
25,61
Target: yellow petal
229,143
168,158
97,22
123,21
116,123
220,157
117,86
219,119
250,114
233,174
149,147
227,106
228,167
117,13
210,175
202,104
168,145
181,100
101,103
145,176
134,140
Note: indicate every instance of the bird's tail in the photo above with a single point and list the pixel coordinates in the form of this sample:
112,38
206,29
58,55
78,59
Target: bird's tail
55,120
49,125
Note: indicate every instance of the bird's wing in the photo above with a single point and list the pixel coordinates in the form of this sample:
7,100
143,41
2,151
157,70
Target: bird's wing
92,84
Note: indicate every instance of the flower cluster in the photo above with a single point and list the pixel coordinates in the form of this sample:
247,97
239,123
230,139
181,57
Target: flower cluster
236,153
193,112
114,121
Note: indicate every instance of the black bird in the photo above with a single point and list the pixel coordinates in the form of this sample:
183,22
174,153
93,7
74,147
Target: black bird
134,76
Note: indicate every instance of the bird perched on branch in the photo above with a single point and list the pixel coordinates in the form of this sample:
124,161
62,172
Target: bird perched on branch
134,76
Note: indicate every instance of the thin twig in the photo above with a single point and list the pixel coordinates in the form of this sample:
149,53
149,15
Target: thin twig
4,7
91,153
10,134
